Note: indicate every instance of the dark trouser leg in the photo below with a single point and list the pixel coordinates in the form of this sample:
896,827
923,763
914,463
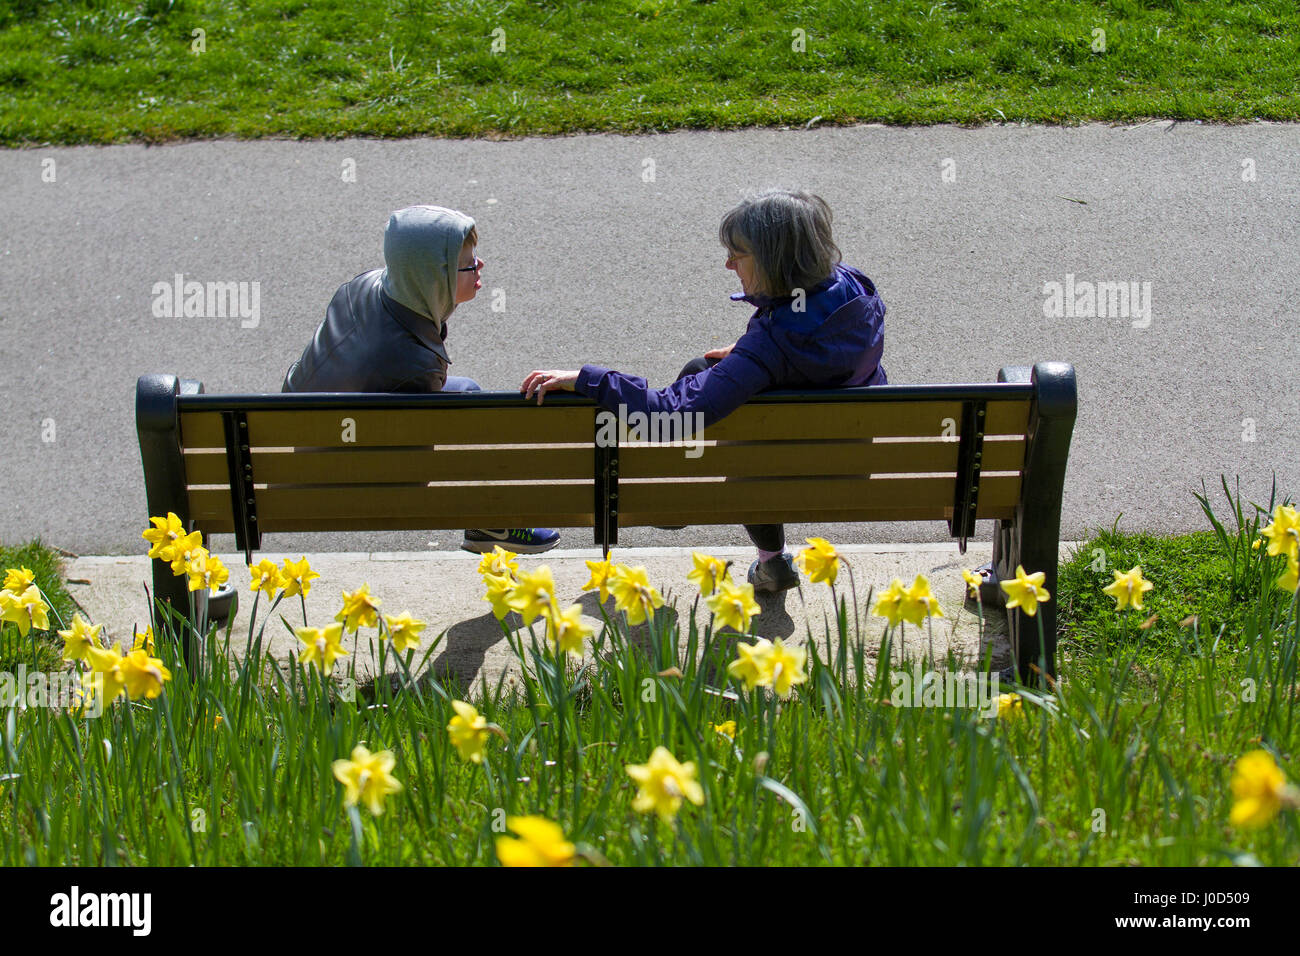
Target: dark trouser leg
766,537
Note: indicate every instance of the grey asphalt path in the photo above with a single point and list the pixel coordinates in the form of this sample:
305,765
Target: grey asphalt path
593,259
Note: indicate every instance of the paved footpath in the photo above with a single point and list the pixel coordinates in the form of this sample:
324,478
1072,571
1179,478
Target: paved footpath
983,243
446,591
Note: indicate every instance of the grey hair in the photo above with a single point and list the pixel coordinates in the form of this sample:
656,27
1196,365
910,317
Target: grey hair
789,235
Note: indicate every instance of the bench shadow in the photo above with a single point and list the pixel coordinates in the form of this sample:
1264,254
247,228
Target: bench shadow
465,647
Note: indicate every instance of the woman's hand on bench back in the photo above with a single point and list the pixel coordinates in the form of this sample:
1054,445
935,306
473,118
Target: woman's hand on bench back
539,382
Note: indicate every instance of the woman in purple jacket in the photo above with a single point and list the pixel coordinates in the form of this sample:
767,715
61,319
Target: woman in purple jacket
817,324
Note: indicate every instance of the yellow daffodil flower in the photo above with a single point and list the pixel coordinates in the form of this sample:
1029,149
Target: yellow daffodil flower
727,728
600,573
323,647
27,609
499,561
1290,579
19,580
708,572
889,604
367,777
297,577
1026,591
183,549
918,603
80,638
633,593
145,641
468,731
785,668
664,783
143,675
540,843
733,605
567,630
267,577
499,589
1011,705
1283,533
1127,589
360,609
973,582
753,666
206,570
1258,786
163,536
105,677
533,593
404,630
821,562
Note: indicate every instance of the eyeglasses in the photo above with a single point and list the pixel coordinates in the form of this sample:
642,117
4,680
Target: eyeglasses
478,264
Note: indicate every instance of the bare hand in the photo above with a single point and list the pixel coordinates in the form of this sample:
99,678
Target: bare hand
540,382
721,353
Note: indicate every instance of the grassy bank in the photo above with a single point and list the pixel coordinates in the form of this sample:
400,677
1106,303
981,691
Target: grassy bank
102,71
1127,760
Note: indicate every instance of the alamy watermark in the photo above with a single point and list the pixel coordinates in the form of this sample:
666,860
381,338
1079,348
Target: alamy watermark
191,299
62,689
676,429
1098,300
945,689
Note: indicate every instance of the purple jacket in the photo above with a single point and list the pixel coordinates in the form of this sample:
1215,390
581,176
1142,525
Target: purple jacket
836,342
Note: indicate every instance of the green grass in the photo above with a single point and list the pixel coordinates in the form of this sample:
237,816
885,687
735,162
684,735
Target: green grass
1126,761
101,71
40,649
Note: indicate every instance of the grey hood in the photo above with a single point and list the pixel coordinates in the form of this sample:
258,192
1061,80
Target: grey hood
421,254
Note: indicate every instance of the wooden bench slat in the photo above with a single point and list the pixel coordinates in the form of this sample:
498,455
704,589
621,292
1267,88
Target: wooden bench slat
423,503
363,466
842,420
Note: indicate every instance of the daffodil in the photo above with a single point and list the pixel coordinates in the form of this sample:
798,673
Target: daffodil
753,665
708,572
821,562
973,582
80,638
1290,579
785,668
664,783
1011,705
367,777
19,580
105,678
360,609
183,548
540,843
567,629
404,630
323,646
1026,591
499,589
918,603
27,609
267,577
468,731
163,536
145,641
143,675
499,561
206,570
297,577
534,592
633,593
889,604
1258,785
600,575
1128,588
727,728
733,605
1283,533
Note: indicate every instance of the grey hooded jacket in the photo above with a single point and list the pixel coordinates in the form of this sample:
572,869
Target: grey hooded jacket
384,330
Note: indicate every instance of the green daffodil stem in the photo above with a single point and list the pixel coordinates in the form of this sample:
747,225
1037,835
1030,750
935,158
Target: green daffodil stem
303,599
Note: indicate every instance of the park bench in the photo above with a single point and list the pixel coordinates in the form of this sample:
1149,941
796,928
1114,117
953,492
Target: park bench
250,465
